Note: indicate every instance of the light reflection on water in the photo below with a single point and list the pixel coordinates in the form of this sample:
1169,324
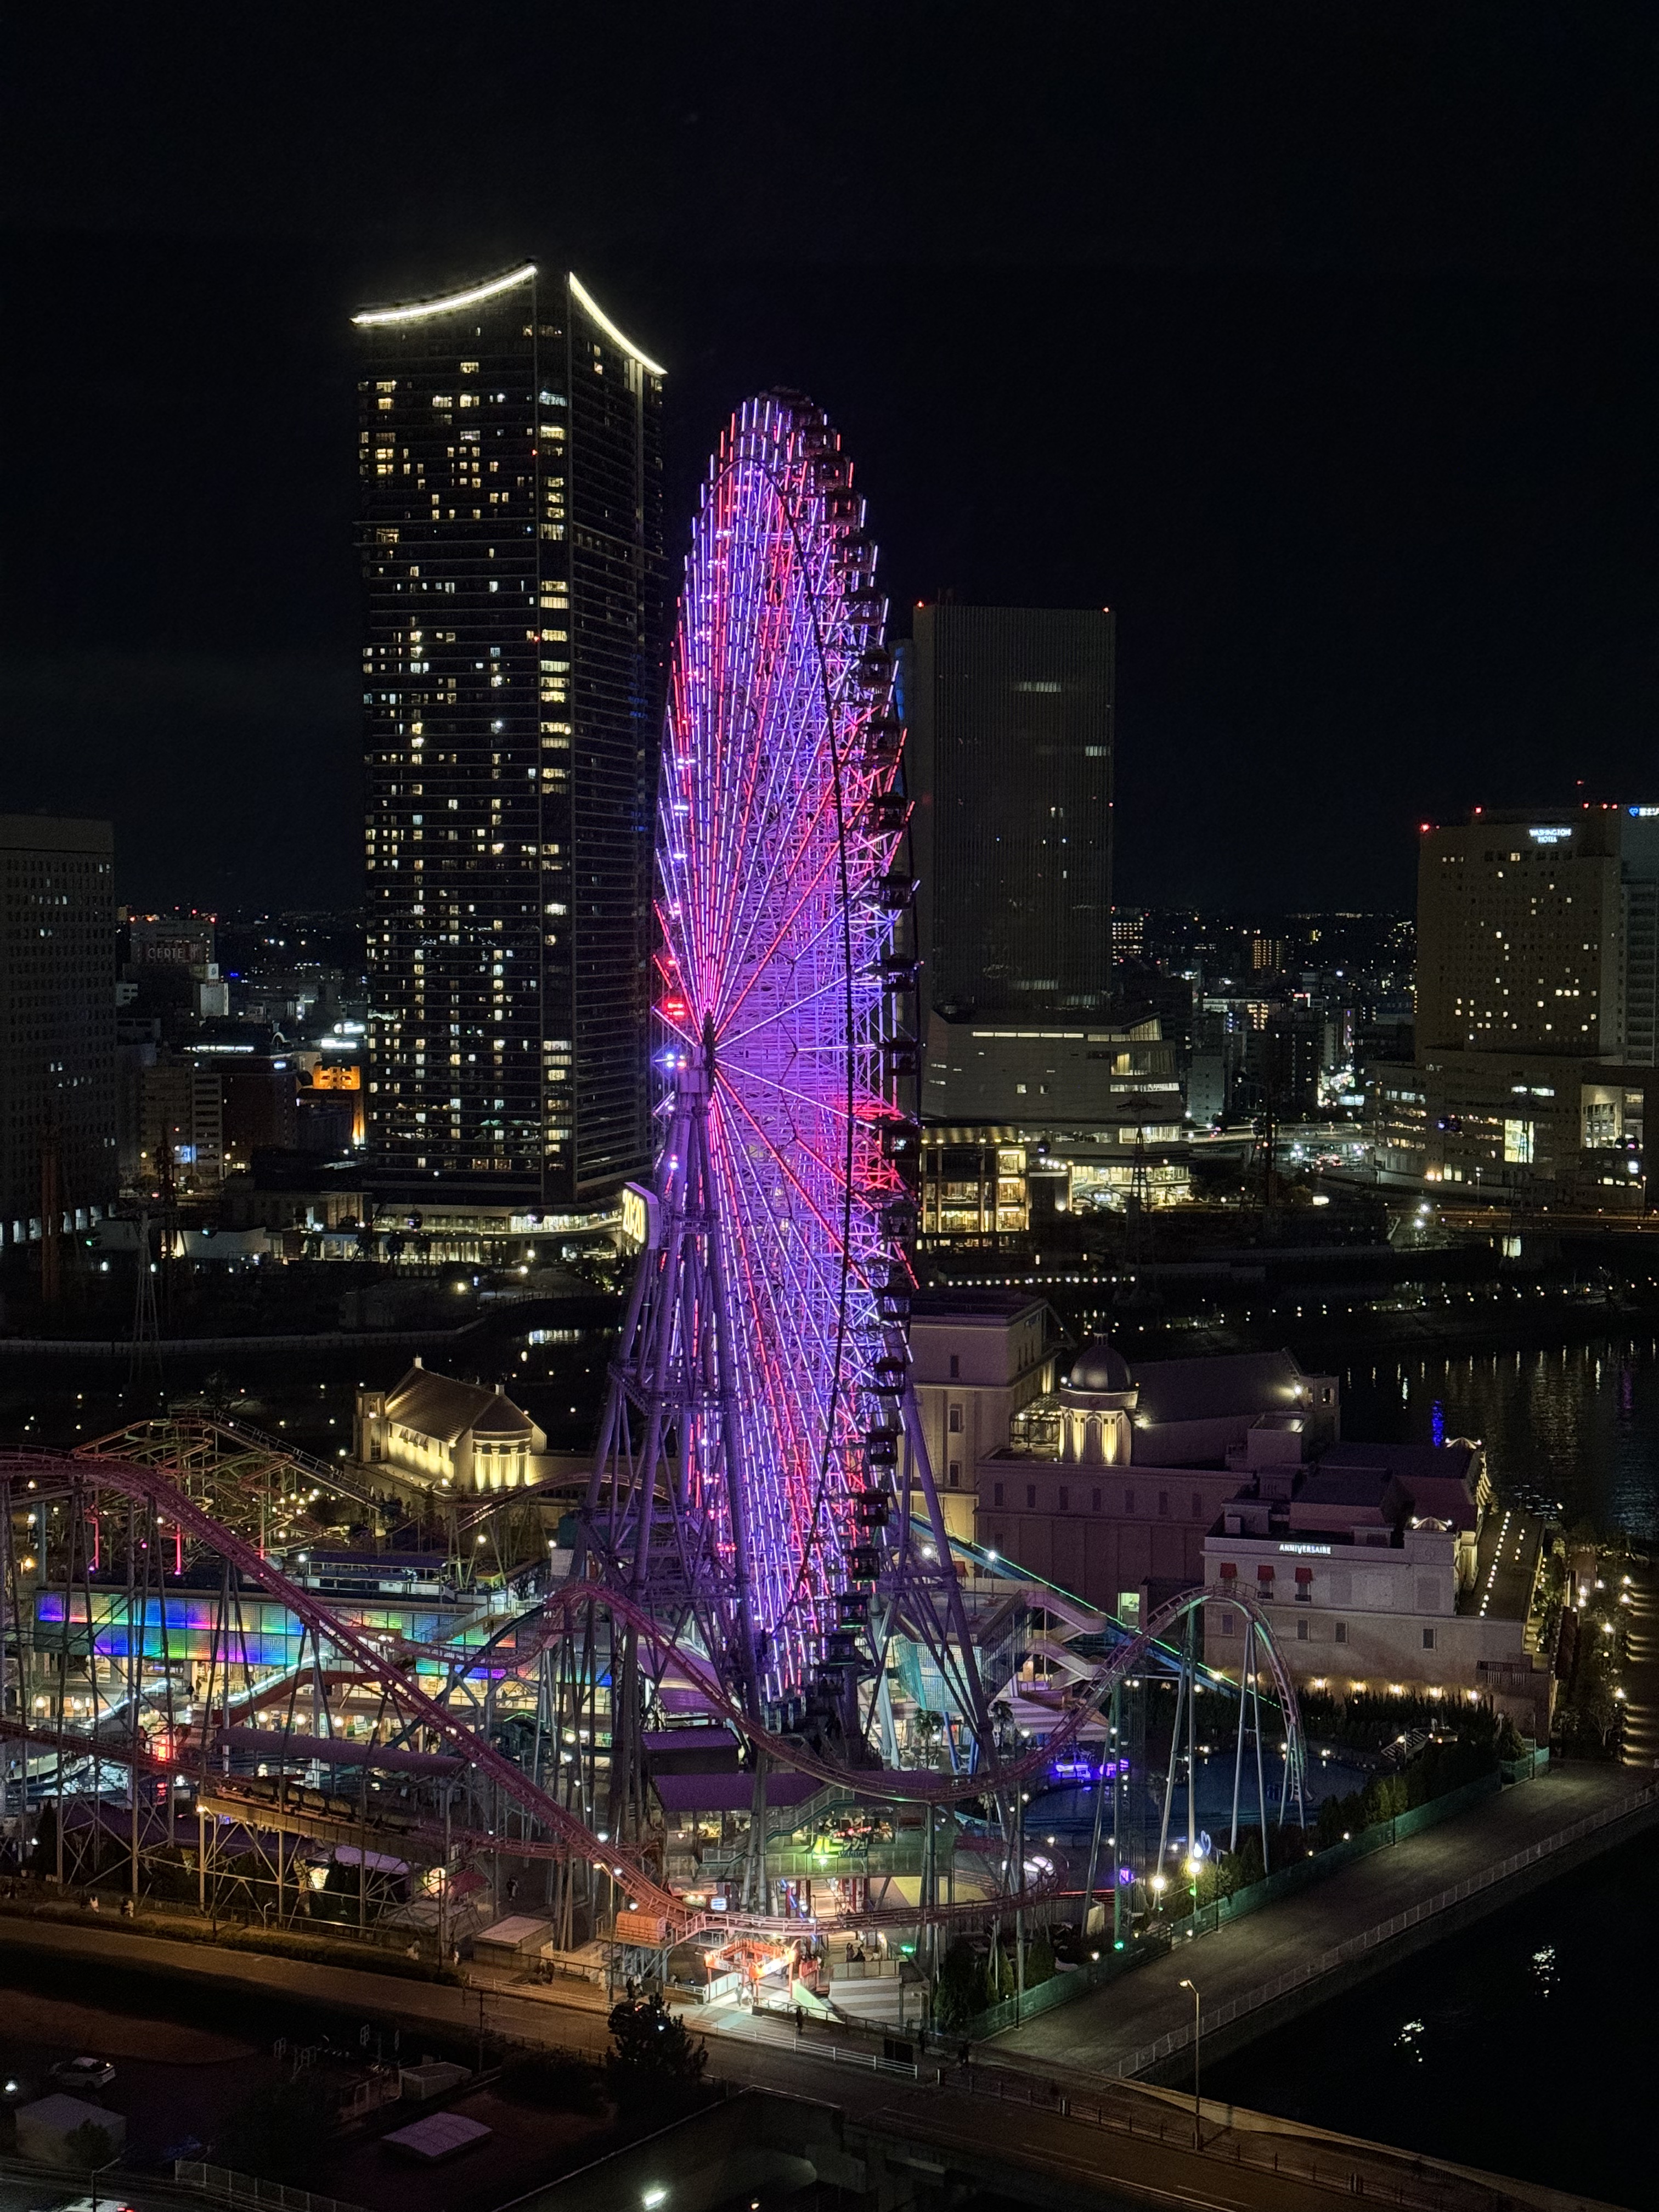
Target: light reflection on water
1547,2000
1578,1425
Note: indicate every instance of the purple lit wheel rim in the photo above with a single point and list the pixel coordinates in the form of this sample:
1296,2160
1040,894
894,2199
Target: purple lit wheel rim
770,865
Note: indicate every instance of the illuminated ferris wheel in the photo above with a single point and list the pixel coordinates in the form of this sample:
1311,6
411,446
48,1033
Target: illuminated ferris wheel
755,1430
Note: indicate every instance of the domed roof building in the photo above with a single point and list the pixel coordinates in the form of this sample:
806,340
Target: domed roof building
1097,1400
1100,1370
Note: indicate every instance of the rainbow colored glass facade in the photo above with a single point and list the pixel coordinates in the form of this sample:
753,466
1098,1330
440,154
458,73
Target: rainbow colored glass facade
193,1628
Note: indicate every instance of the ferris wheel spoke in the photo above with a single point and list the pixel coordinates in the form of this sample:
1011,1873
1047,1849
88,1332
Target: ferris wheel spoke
765,852
836,981
768,767
789,766
737,956
801,1287
826,862
832,1107
780,1322
836,1257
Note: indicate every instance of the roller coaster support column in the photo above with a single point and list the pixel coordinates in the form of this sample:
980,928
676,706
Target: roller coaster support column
1170,1777
1019,1903
1107,1761
1192,1753
1120,1798
1260,1780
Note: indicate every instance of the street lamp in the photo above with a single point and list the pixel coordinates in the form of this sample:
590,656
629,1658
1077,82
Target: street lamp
1198,2117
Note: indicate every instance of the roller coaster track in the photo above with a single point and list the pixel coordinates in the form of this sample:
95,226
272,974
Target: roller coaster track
566,1833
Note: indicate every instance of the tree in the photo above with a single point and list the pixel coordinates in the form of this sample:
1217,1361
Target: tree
962,1993
90,2146
279,2134
651,2054
1039,1959
556,2085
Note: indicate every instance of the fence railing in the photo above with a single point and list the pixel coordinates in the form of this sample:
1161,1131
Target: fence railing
1355,1947
334,1472
247,2189
1411,2184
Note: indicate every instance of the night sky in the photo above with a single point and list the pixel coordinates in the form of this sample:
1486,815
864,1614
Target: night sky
1319,342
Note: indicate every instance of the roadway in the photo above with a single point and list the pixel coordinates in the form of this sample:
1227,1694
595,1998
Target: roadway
1099,2142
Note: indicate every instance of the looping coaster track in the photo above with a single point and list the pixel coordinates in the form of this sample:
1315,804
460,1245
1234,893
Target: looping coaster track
77,1492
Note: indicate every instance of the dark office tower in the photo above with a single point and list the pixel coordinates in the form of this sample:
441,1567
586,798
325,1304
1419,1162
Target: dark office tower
57,1030
1010,753
510,451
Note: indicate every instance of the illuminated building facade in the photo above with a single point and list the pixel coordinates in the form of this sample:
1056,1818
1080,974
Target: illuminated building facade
57,1111
1520,934
1536,1011
1048,1076
1010,713
511,537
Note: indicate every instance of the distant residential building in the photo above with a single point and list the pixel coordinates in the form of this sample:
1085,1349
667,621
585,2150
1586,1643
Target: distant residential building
509,447
1052,1075
1209,1090
1535,1028
259,1109
1396,1114
58,1086
1128,932
180,1127
1010,713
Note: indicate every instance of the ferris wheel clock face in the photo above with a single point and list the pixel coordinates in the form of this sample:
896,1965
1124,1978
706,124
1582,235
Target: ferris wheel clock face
776,835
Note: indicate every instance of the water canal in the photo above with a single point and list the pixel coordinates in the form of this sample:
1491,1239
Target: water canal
1528,2044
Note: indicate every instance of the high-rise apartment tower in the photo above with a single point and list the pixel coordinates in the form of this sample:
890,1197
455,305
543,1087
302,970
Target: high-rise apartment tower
58,1155
1009,762
510,455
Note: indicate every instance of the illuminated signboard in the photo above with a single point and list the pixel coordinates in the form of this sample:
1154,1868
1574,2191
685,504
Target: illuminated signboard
640,1227
1548,836
1311,1551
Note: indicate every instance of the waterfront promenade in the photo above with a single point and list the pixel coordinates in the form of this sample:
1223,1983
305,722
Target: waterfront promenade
1102,2032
